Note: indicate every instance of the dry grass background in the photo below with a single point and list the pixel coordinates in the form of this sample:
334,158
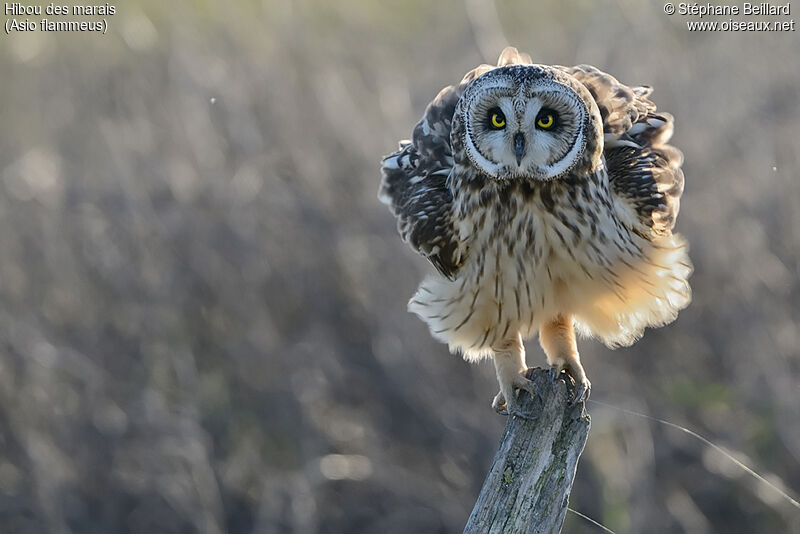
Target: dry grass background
202,303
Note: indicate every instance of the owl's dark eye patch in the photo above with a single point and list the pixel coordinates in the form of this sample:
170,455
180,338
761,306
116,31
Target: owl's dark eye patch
496,119
547,119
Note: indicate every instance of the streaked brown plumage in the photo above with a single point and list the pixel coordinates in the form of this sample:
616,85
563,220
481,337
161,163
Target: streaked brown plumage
545,197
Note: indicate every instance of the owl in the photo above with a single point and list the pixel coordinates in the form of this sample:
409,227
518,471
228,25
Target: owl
545,197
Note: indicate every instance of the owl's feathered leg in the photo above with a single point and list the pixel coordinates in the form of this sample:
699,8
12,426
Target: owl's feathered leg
557,338
509,362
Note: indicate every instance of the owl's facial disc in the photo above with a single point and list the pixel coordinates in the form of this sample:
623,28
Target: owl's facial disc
520,123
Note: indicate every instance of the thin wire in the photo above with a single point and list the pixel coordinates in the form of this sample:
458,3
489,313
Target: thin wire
590,520
717,448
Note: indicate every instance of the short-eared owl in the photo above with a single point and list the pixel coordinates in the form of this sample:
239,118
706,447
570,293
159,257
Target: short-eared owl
545,197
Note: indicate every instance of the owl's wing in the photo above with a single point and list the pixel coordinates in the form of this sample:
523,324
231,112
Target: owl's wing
415,189
414,183
644,171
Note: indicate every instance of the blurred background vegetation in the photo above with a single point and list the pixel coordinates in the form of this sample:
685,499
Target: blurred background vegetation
202,303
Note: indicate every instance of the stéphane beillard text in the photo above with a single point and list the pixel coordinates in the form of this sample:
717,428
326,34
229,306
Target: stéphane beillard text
696,9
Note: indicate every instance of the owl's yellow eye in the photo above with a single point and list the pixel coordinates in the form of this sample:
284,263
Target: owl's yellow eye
546,119
497,120
546,122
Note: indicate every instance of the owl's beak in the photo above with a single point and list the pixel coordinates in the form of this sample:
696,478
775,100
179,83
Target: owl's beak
519,146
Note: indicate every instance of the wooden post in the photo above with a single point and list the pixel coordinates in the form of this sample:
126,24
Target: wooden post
527,488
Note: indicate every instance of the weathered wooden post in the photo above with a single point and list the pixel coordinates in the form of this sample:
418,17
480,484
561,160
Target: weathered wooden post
527,488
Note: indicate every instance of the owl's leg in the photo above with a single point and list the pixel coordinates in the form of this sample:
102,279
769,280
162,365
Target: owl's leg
557,338
509,362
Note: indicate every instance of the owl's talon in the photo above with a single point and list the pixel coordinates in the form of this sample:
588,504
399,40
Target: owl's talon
499,404
514,411
530,387
512,375
519,413
555,372
581,393
578,380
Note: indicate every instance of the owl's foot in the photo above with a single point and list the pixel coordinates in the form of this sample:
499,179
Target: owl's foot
501,404
509,363
557,338
578,378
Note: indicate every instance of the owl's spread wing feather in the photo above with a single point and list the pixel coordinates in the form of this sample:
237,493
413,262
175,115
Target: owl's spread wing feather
414,182
415,188
647,174
644,171
620,106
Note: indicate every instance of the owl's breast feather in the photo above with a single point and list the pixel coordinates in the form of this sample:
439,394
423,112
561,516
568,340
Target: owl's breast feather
531,259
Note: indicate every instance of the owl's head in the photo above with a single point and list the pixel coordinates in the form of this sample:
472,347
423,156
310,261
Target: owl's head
528,122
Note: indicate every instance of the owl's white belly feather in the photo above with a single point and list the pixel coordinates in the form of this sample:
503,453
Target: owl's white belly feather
528,263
